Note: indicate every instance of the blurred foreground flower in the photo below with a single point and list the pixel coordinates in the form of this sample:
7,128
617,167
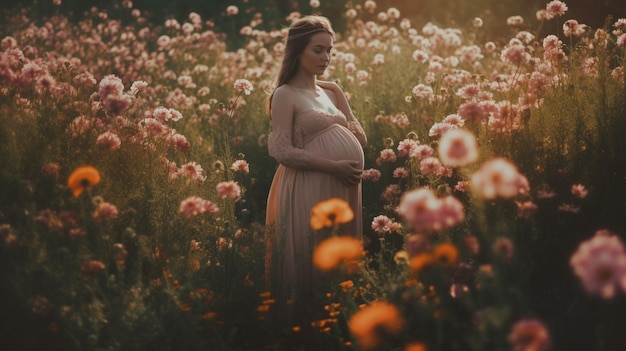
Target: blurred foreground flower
83,178
499,178
600,263
374,322
425,212
529,335
331,212
457,148
337,250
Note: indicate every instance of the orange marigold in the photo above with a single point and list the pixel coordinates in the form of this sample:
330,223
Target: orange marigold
334,251
446,254
331,212
415,346
83,178
371,324
421,261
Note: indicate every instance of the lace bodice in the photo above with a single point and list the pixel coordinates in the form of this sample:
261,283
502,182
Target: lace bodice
287,147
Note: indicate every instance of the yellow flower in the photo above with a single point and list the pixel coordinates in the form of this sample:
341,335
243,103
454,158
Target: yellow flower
334,251
83,178
330,212
372,323
446,254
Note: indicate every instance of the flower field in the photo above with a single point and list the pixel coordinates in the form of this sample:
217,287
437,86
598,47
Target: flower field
135,177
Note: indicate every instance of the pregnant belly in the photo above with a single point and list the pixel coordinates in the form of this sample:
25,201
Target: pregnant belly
336,143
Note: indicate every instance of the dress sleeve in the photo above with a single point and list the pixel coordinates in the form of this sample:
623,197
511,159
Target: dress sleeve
280,146
355,127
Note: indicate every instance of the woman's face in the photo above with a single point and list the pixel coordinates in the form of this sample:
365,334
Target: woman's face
316,56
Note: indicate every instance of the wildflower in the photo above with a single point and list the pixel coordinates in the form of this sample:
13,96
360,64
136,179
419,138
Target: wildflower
228,189
422,91
243,85
335,251
193,171
232,10
371,324
109,140
331,212
477,22
400,172
83,178
401,258
387,155
346,285
430,165
445,254
381,224
503,247
457,148
391,192
105,212
600,263
529,335
240,166
195,205
526,209
555,8
515,21
371,174
579,191
499,178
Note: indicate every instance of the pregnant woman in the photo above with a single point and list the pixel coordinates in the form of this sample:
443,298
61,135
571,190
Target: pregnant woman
319,146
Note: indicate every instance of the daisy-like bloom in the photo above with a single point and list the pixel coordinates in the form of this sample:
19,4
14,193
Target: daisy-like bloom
600,263
179,142
579,191
83,178
105,212
422,91
232,10
371,174
244,86
372,323
555,8
422,151
381,224
387,155
515,54
406,147
195,205
440,128
529,335
422,210
241,166
229,189
336,251
331,212
499,178
193,171
400,172
430,165
457,148
110,85
391,192
445,254
109,140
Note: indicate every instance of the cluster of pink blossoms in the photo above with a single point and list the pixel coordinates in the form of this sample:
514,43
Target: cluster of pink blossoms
195,205
426,213
600,263
499,178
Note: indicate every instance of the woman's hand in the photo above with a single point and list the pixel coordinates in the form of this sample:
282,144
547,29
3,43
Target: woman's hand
334,87
347,171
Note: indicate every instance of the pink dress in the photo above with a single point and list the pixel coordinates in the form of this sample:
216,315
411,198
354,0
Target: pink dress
294,192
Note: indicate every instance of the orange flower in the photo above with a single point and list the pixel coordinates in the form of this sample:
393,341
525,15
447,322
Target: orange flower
332,252
372,323
330,212
421,261
415,346
83,178
346,285
446,254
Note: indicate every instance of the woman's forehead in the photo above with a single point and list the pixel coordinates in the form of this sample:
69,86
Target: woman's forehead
321,39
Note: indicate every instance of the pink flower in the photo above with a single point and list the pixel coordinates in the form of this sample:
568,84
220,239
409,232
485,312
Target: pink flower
387,155
406,147
105,212
240,166
499,178
526,209
192,171
195,205
232,10
579,191
440,128
457,148
503,247
371,174
110,85
600,263
423,211
422,91
180,142
430,165
381,224
529,335
391,192
228,189
243,85
422,151
109,140
154,127
555,8
93,266
400,172
515,54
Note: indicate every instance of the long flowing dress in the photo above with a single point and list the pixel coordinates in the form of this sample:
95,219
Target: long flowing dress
294,192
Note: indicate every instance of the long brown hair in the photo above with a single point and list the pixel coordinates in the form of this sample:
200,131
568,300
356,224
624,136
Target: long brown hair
300,33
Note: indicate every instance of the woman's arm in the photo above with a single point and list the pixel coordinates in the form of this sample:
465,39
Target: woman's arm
342,104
